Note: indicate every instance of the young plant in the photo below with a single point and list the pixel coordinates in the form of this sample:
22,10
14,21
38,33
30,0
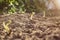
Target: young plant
32,15
6,26
44,14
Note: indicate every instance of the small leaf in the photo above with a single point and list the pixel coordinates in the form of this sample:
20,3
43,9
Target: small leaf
16,3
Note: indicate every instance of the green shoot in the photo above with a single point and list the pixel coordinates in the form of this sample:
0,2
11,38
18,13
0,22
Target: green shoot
32,15
44,14
6,26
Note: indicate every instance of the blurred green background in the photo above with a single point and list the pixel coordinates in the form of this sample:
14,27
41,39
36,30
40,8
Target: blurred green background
22,6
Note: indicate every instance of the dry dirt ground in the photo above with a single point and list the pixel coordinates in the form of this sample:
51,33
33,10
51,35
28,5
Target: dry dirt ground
22,28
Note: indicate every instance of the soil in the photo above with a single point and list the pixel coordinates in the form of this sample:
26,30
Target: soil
23,28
